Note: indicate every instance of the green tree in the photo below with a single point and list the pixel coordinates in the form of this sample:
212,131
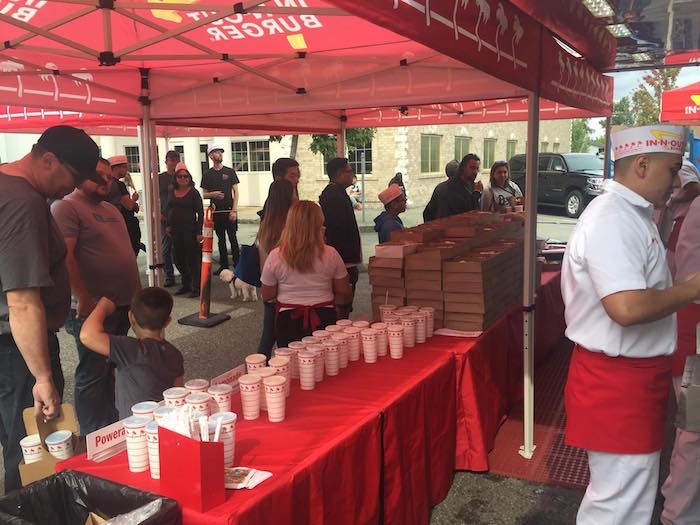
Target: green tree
622,114
327,145
646,99
580,135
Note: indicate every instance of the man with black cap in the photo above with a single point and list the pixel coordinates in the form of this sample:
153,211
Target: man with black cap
220,184
431,209
35,288
166,183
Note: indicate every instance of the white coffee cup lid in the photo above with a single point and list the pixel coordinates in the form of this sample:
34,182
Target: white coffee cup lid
152,427
198,384
225,417
144,407
31,440
176,391
136,421
222,388
197,397
58,437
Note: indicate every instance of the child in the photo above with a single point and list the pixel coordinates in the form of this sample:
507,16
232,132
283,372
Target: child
146,365
355,193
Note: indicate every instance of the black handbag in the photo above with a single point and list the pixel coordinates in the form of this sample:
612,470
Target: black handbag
248,266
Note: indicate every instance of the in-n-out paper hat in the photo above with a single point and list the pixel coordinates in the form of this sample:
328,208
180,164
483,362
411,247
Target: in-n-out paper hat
659,138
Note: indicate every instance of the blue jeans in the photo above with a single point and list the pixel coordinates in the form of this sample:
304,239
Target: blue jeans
16,384
267,339
94,375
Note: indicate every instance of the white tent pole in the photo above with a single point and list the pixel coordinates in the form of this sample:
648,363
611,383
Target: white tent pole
606,161
529,284
150,200
155,198
340,149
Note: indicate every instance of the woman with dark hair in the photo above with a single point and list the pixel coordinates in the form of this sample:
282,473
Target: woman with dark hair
502,192
185,217
304,275
279,200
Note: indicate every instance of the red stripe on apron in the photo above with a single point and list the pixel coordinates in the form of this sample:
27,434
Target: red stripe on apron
675,234
688,319
616,404
307,313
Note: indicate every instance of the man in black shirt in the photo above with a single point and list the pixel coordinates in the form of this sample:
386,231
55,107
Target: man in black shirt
166,183
220,184
457,194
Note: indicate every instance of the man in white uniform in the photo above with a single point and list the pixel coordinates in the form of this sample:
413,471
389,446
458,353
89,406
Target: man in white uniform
619,308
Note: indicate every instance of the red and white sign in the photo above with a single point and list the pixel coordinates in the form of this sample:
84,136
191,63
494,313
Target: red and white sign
230,377
106,442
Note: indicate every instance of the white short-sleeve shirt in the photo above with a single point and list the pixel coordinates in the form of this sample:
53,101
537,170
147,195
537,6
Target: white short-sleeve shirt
615,247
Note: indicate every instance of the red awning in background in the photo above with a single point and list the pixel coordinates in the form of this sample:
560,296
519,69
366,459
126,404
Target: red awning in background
681,105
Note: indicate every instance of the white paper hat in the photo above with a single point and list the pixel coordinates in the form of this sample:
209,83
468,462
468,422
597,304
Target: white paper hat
392,192
659,138
688,173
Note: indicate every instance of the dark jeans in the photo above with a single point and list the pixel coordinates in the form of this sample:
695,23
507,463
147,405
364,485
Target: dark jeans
188,257
166,242
267,339
223,227
94,375
343,310
16,384
288,329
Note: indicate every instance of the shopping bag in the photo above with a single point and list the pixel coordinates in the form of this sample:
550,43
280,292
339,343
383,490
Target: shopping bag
248,266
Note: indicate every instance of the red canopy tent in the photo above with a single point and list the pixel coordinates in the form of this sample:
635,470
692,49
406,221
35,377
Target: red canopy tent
681,105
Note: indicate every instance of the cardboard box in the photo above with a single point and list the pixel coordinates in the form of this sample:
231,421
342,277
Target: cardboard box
47,465
395,250
423,275
385,262
431,295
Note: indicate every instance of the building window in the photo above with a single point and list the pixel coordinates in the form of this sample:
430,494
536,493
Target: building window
544,147
430,153
555,147
462,147
134,159
355,158
510,148
251,156
489,153
203,158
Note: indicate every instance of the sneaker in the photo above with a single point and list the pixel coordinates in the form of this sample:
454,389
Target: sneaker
220,269
183,290
193,294
169,282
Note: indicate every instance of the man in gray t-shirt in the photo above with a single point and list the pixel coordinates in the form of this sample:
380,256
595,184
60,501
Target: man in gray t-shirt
100,263
35,294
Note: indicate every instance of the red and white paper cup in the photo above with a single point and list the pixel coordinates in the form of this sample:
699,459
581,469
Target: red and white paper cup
276,397
385,309
144,408
263,372
320,362
354,342
293,363
321,335
395,341
369,345
199,401
332,347
296,347
429,320
250,386
136,444
307,370
221,394
409,331
227,434
382,338
281,366
344,322
360,324
420,326
175,396
334,328
255,361
153,450
343,347
197,385
32,451
310,340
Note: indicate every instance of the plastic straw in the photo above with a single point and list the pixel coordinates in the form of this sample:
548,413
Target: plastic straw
386,299
204,428
217,431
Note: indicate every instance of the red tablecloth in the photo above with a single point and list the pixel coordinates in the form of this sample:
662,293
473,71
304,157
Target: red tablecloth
376,439
490,371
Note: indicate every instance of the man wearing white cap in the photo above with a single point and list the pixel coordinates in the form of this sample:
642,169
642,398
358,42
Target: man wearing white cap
619,308
394,200
220,184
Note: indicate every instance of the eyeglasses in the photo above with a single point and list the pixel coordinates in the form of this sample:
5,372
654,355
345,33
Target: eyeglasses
183,176
70,169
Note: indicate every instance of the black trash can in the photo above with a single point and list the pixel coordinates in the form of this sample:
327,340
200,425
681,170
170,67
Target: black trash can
68,498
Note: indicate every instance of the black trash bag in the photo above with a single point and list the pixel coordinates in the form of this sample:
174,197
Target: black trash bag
67,498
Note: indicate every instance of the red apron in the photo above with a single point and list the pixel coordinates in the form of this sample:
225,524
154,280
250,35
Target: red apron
675,234
307,313
688,318
616,404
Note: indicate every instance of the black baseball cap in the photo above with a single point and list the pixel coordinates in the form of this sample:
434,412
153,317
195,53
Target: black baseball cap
73,147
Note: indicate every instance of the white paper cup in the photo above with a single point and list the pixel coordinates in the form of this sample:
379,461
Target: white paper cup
296,347
197,385
60,444
250,386
420,326
360,324
136,444
343,348
145,408
369,345
384,309
221,394
162,413
408,308
429,321
334,328
293,362
199,401
344,322
307,370
401,313
390,317
152,446
395,341
354,343
32,451
382,338
263,372
276,397
281,367
321,335
310,340
255,361
332,358
175,397
409,331
227,434
320,362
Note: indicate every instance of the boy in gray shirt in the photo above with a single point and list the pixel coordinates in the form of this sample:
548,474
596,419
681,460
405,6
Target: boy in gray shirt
146,365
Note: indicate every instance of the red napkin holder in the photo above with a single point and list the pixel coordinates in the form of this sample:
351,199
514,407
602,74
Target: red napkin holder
191,471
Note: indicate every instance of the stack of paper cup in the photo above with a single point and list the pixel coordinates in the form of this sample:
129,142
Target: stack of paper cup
395,341
369,345
343,347
409,331
255,361
382,338
332,365
307,370
276,398
32,451
199,401
321,335
136,445
197,385
430,320
291,355
263,372
419,317
60,444
221,394
281,366
354,342
334,328
227,434
408,308
310,340
390,317
144,408
385,309
250,386
361,324
175,396
344,322
296,347
152,446
161,413
320,363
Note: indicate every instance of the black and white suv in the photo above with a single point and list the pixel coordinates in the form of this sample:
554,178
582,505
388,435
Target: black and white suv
570,180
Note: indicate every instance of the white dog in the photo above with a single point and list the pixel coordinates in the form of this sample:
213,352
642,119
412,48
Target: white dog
238,288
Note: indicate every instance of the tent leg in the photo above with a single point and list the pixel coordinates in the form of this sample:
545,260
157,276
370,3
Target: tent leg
529,284
340,149
607,167
151,201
